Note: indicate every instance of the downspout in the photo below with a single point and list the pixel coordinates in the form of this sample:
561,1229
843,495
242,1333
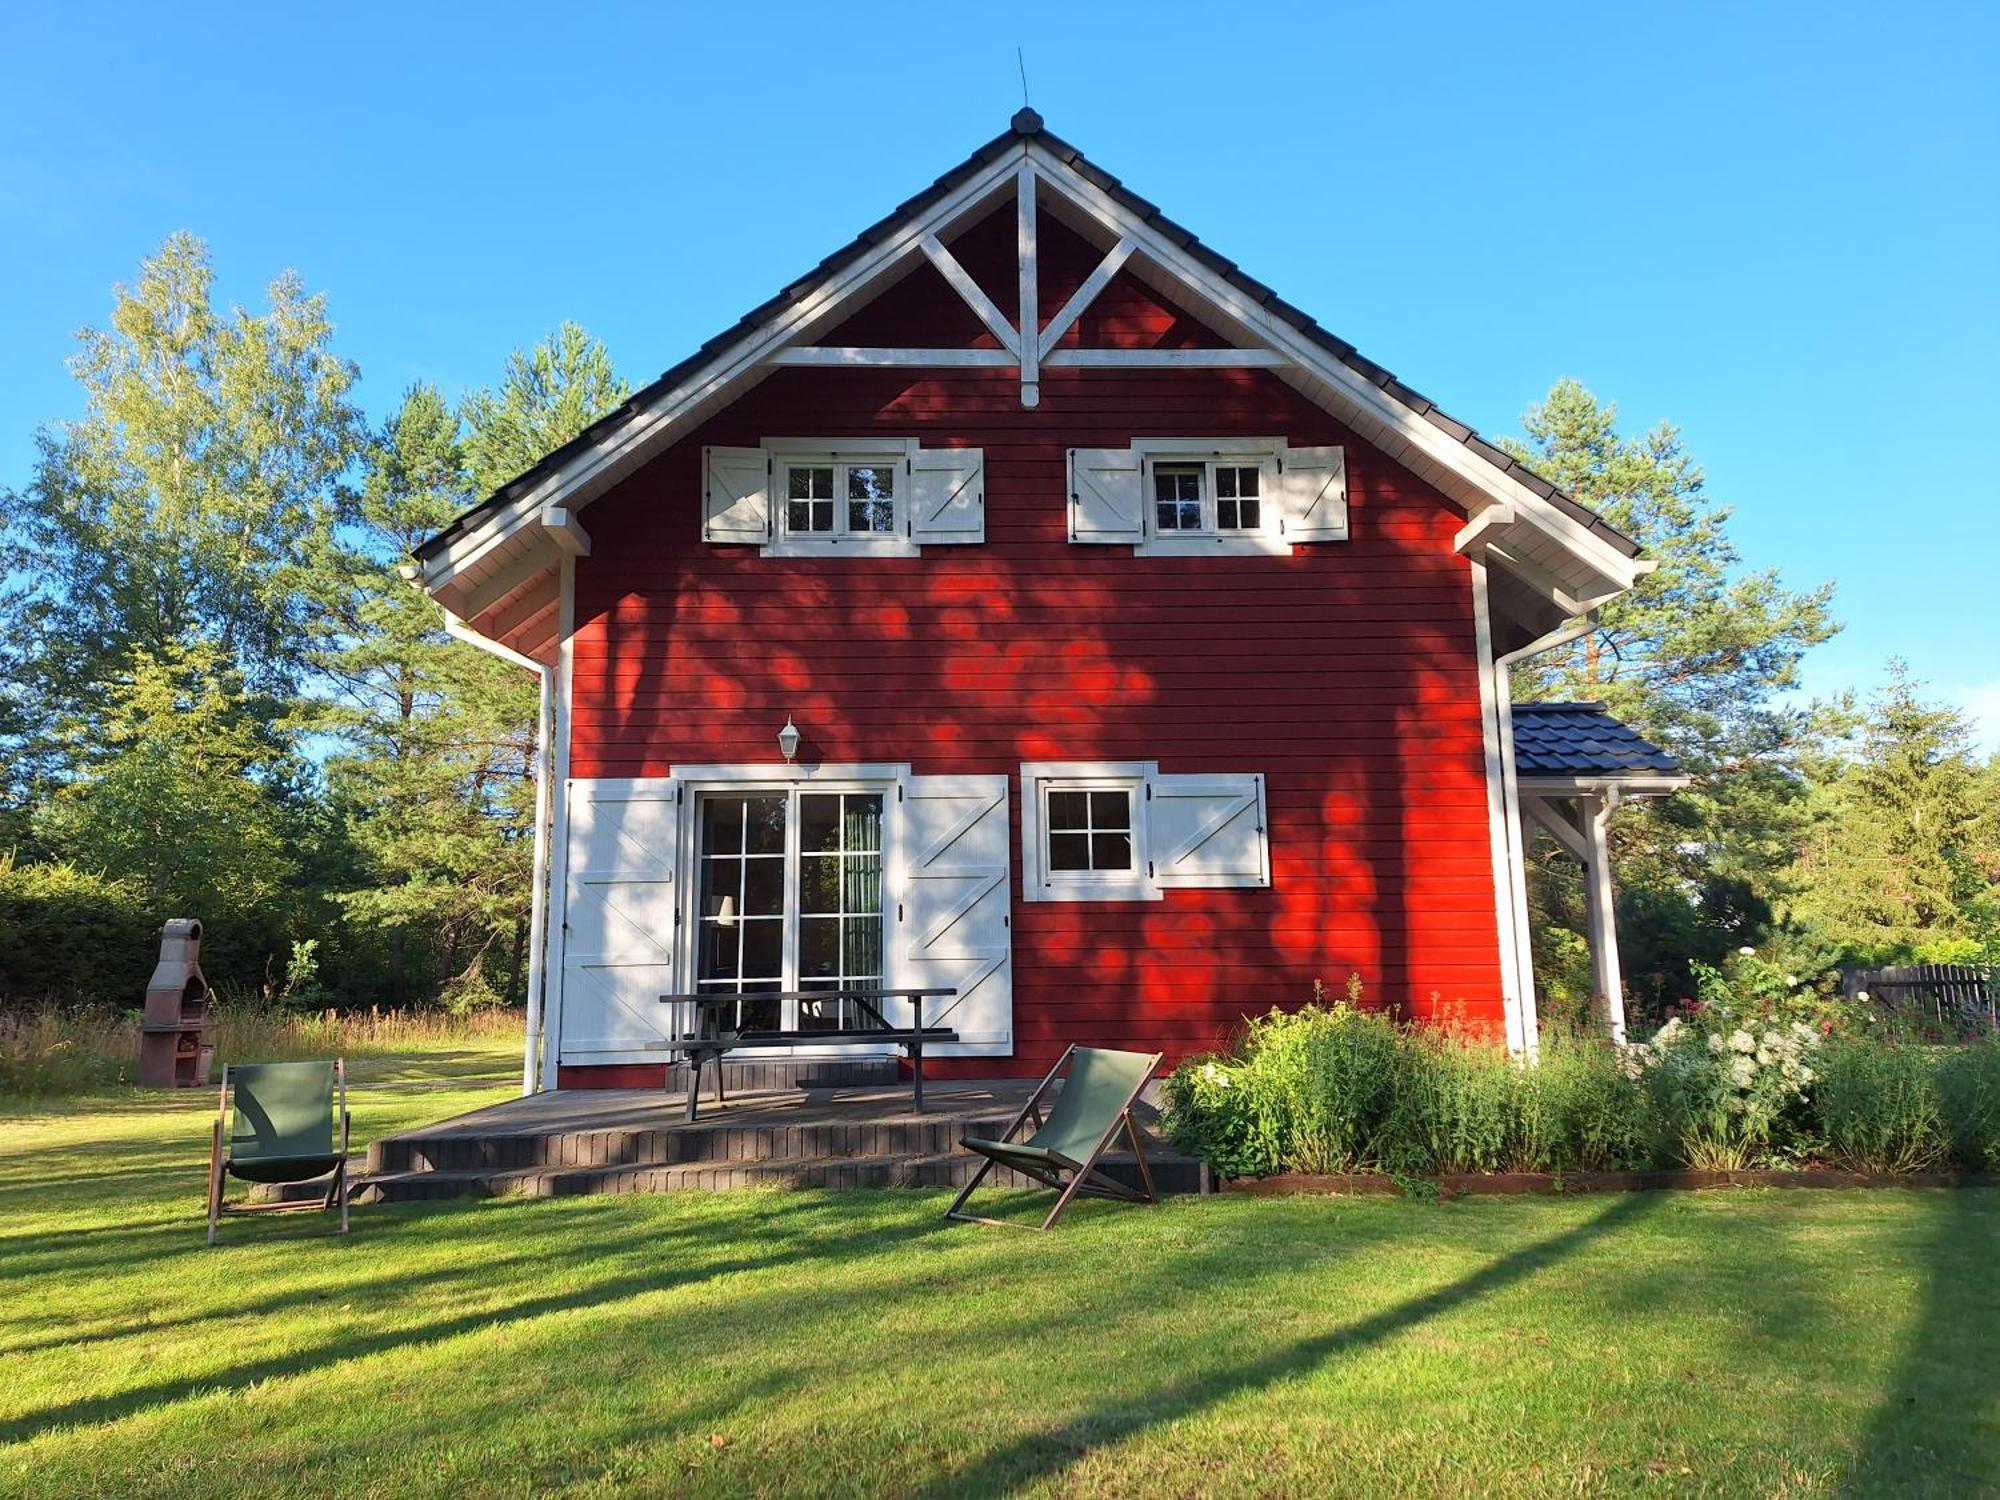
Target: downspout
538,904
1510,787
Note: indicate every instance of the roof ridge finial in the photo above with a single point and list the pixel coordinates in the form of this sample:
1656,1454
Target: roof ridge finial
1026,122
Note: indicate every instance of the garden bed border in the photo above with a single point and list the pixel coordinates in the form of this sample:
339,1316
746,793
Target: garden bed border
1464,1184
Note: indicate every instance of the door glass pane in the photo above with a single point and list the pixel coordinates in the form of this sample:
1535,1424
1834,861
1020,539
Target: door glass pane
763,885
840,882
819,883
740,936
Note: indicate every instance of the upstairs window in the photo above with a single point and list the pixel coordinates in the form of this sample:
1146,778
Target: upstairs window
1196,497
1219,498
829,498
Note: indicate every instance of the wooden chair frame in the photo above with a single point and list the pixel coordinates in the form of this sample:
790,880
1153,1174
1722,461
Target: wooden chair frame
1085,1180
218,1164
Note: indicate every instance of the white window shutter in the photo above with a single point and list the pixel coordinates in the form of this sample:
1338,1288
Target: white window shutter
736,495
621,903
1208,829
1314,483
1107,500
948,495
954,930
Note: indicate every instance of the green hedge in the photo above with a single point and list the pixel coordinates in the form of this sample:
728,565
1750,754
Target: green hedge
70,936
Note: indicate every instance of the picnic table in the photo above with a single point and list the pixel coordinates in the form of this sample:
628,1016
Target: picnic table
709,1038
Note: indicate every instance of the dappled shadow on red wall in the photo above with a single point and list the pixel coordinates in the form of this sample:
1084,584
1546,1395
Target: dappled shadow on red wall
1345,673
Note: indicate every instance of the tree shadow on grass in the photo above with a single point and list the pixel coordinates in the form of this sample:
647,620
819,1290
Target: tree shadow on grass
1044,1454
1934,1430
786,1251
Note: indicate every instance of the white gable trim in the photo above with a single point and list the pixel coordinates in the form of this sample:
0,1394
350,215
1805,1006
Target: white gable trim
1282,336
580,478
1022,169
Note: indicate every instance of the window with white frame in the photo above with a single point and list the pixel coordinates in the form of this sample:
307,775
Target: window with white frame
1216,497
840,500
1125,831
1192,497
1085,831
1208,501
833,497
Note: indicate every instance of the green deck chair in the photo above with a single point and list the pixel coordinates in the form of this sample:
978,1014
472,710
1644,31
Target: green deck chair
282,1132
1095,1104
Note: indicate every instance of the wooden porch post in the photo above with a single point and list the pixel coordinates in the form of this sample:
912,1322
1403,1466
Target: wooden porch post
1606,976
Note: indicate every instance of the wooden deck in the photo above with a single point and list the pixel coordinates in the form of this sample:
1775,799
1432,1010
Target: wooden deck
581,1141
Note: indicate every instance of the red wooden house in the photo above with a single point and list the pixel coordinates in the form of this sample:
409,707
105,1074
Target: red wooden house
1145,649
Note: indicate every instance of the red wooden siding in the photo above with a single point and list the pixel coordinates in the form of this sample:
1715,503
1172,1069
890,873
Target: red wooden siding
1345,673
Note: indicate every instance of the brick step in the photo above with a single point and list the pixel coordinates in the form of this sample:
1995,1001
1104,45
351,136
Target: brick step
763,1074
719,1141
945,1169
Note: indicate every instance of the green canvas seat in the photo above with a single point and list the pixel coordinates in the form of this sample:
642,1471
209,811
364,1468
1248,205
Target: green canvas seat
1094,1106
281,1130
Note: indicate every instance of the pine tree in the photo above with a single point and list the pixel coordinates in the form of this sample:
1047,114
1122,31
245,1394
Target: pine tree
1697,657
180,789
547,395
1904,865
431,781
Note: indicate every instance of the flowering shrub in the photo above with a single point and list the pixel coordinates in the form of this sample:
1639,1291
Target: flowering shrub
1726,1095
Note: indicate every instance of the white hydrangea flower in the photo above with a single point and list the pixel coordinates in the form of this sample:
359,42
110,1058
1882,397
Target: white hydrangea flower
1742,1072
1747,952
1715,1043
1861,994
1742,1041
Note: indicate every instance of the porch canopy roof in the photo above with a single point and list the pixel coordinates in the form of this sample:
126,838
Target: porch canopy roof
1575,748
1576,765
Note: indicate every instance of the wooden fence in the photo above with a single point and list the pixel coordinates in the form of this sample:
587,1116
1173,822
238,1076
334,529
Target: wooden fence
1955,999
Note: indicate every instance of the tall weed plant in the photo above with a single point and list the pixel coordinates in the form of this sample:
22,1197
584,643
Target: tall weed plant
1754,1075
1336,1088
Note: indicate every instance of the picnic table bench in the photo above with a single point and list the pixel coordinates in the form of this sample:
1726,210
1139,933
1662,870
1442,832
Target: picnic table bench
709,1039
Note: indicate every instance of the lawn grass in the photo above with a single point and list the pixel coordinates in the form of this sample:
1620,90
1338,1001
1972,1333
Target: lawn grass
1789,1342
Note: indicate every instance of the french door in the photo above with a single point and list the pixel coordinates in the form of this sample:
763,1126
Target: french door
790,900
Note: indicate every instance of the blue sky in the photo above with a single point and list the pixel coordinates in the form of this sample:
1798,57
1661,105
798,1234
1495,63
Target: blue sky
1777,226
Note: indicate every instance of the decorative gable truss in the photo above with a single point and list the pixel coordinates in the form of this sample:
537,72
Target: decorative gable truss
495,570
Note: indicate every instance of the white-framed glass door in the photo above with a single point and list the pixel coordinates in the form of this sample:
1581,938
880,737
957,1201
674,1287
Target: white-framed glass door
789,891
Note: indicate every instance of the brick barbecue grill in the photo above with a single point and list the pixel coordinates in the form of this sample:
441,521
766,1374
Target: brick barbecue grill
174,1051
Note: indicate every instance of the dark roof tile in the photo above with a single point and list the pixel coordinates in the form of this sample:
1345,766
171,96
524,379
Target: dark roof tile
1581,739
